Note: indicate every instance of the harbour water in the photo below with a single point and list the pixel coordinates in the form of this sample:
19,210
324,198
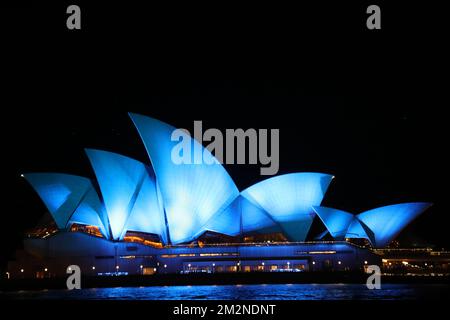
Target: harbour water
245,292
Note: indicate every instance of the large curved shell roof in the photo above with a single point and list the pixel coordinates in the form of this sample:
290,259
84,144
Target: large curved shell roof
69,199
192,193
336,221
129,193
387,222
289,200
380,226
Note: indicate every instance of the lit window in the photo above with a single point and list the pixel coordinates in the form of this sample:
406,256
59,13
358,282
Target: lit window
322,252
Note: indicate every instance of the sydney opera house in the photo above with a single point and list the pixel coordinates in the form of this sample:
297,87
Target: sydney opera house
162,217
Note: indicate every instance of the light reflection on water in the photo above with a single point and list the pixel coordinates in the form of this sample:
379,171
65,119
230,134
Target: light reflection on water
245,292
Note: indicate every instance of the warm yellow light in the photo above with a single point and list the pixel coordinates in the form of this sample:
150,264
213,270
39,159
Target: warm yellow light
45,269
322,252
405,263
21,270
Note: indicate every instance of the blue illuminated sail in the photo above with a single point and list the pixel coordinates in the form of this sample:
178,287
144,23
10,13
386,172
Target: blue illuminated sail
129,193
192,193
336,221
387,222
69,199
289,200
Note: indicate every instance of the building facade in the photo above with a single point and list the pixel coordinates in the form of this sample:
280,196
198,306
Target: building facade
146,218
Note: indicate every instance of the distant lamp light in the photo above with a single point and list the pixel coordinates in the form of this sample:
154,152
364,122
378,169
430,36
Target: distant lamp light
21,270
154,269
365,262
313,262
214,264
93,267
165,266
189,265
141,266
262,263
45,269
405,263
390,263
22,176
117,267
426,264
339,262
69,269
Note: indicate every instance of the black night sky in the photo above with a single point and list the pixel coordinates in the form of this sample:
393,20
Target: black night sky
366,107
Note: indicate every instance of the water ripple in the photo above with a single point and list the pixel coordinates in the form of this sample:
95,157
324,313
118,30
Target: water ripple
244,292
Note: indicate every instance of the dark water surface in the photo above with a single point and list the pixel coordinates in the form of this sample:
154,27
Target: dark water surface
246,292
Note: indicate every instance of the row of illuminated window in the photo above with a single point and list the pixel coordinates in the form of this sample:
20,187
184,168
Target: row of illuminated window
212,254
246,268
316,252
135,257
323,252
